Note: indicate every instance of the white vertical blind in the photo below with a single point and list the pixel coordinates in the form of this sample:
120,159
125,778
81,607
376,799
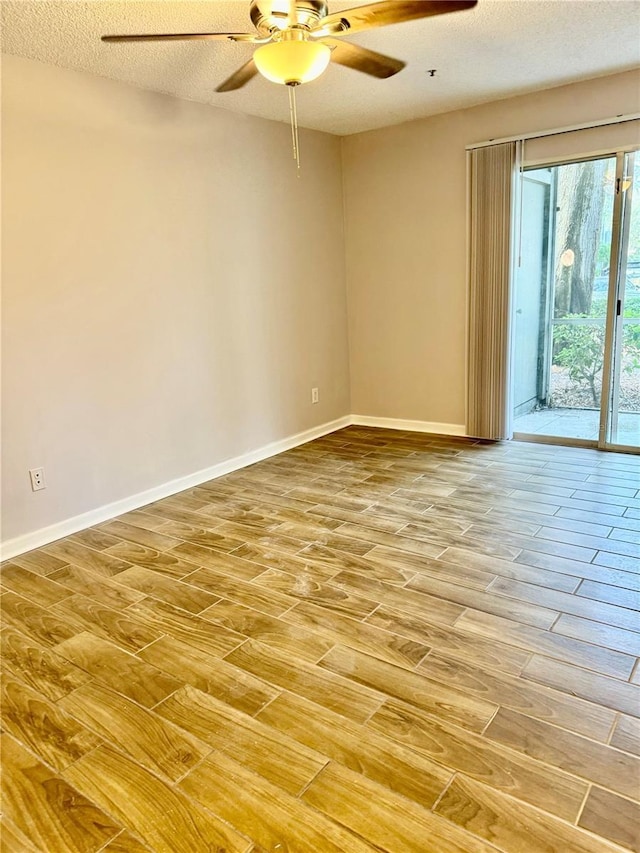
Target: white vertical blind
492,184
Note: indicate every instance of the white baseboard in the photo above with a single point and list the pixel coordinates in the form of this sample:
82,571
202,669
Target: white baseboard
38,538
409,426
45,535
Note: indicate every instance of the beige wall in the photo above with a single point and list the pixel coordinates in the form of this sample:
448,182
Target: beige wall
171,290
169,298
405,243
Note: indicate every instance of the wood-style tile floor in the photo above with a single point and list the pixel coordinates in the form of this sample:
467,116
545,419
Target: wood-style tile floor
378,641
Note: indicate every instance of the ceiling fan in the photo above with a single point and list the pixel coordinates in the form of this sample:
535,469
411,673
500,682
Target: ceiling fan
298,38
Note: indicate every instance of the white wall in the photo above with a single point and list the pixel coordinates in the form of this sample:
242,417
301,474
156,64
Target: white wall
405,199
171,290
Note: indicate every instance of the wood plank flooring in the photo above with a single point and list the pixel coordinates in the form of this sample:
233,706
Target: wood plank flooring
378,641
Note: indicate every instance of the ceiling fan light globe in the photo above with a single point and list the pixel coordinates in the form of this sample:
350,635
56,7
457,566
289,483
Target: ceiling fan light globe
292,62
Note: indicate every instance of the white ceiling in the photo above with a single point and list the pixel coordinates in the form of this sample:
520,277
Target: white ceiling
498,49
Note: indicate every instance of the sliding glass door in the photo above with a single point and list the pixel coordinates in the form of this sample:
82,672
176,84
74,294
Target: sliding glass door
576,355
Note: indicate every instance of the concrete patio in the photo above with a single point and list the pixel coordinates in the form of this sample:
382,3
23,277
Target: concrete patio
578,423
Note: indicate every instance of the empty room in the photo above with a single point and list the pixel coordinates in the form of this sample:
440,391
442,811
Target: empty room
320,519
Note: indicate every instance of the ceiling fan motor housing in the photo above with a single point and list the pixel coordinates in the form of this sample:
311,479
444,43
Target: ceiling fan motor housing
269,15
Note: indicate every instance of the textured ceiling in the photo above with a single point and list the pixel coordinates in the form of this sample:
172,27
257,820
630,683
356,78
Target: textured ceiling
498,49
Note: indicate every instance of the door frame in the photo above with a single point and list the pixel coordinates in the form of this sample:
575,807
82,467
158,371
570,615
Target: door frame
614,323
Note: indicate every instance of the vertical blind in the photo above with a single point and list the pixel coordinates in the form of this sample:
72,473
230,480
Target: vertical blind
492,185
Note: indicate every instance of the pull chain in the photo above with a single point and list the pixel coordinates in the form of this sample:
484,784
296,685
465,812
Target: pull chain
293,112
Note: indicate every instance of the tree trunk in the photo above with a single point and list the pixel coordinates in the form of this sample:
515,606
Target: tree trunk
580,203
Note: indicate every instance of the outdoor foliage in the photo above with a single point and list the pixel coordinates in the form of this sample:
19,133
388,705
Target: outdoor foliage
580,348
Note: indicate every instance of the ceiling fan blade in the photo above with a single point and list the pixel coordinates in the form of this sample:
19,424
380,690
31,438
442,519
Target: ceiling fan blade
253,37
239,78
387,12
361,59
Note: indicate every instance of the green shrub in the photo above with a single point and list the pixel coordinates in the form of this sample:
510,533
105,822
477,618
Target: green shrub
580,348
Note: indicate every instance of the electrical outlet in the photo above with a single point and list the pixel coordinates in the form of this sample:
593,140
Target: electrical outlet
37,479
314,395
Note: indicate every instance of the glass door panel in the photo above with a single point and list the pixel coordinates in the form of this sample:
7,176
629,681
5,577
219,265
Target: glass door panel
623,415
